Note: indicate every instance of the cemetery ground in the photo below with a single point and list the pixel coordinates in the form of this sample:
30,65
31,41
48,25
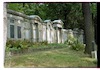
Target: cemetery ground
53,58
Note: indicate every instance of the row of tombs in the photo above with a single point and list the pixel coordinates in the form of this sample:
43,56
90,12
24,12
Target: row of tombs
33,28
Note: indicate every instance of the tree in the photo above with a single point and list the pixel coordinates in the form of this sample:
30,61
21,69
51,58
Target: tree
75,17
94,19
89,37
69,13
58,11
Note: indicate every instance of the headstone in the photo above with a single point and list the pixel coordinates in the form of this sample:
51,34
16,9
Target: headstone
94,52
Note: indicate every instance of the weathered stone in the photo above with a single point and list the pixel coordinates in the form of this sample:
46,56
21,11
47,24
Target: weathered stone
21,27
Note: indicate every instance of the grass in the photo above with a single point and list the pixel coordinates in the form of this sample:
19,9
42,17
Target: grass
58,58
35,46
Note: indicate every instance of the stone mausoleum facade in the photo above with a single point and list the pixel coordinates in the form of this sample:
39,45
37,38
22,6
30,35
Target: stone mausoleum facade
33,28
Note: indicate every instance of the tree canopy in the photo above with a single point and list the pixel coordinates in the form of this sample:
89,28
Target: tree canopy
70,13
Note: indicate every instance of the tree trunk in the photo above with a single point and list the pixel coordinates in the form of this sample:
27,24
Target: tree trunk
88,27
5,26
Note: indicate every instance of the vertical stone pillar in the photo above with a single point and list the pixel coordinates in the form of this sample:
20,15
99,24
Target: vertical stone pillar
50,36
42,32
8,29
56,34
31,31
46,33
15,30
37,32
61,35
81,36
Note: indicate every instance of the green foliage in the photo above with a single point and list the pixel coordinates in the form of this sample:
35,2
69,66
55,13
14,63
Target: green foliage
93,9
24,44
44,43
17,44
75,17
77,46
74,44
70,13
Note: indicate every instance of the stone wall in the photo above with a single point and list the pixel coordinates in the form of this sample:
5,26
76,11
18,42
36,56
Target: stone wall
33,28
78,33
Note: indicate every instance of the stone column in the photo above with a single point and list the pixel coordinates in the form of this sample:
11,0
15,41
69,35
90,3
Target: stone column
81,36
61,35
16,30
50,36
31,31
46,33
56,34
8,28
37,32
42,32
22,31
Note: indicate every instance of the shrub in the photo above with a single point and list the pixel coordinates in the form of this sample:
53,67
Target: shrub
23,44
77,46
18,44
74,44
44,42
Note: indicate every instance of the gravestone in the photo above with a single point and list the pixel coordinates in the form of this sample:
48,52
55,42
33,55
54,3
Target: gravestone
94,52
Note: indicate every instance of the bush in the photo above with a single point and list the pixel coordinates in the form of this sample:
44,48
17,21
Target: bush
77,46
17,44
74,44
44,43
12,43
23,44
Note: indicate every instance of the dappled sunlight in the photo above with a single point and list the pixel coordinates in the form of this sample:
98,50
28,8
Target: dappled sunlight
88,59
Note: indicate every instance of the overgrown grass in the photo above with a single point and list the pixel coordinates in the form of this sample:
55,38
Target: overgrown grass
53,58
